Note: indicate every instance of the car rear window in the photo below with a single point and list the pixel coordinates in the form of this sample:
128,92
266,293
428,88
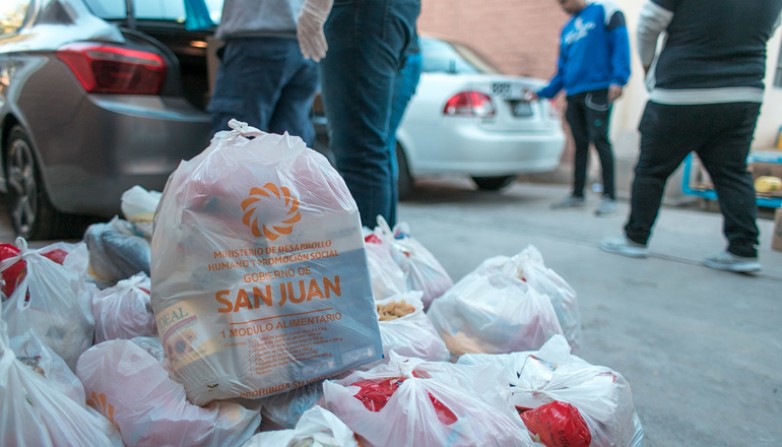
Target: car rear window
440,56
165,10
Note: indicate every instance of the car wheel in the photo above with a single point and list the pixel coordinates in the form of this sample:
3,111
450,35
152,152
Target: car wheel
405,182
493,183
31,212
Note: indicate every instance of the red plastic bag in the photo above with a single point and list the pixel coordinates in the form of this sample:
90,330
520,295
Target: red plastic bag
557,424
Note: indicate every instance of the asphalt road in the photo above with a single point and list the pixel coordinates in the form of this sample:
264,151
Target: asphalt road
701,349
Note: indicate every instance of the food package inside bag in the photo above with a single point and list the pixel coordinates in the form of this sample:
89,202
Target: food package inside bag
491,312
259,279
406,330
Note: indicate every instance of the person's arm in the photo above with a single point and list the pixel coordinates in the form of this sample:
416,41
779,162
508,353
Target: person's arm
620,53
655,17
557,82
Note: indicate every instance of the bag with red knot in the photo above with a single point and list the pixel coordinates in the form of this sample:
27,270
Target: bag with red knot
52,299
601,397
409,402
259,275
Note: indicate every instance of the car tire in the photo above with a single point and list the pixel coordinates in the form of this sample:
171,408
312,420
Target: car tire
405,182
493,183
32,215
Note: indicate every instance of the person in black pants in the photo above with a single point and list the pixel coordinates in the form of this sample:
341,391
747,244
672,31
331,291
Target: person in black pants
706,89
593,67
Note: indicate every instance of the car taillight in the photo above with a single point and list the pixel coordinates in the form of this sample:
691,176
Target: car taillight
470,103
109,69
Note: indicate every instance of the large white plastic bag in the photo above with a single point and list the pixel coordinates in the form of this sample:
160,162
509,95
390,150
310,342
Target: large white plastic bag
489,311
30,350
58,309
602,396
317,427
528,265
128,385
422,270
35,413
251,220
409,417
412,335
124,310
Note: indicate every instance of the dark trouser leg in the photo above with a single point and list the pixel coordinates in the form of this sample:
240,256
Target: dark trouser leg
665,141
598,116
294,106
575,114
725,158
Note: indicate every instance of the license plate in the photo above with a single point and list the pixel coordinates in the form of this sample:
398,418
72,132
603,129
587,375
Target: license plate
521,108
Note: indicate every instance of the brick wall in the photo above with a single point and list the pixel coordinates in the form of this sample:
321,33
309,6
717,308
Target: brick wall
518,36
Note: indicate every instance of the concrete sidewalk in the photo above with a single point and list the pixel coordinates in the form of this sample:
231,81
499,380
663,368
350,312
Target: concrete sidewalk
702,349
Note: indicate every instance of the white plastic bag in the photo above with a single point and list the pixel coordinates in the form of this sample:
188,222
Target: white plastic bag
124,311
116,252
53,301
138,206
411,335
35,413
423,271
528,266
129,386
30,350
387,277
401,404
259,279
601,395
492,312
317,427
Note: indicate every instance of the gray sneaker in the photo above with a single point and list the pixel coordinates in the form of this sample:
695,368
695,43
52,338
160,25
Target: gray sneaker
569,202
625,247
607,206
727,261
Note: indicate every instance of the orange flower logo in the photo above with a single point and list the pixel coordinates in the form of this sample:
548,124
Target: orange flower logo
270,191
100,403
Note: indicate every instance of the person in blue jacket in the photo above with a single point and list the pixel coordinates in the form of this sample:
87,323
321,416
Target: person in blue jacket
593,68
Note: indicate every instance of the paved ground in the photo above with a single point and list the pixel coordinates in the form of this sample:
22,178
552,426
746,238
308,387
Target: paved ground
701,349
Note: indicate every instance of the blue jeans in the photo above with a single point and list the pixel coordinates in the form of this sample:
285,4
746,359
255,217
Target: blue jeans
367,42
404,88
265,82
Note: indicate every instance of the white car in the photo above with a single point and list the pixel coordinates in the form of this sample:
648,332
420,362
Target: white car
468,119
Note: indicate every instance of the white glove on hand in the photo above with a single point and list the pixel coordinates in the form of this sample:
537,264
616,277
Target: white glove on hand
309,29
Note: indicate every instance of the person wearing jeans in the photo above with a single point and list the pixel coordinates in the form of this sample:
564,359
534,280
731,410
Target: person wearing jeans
593,67
706,89
263,78
367,42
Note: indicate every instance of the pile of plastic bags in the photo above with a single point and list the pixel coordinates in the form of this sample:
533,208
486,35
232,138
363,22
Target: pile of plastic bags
257,311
